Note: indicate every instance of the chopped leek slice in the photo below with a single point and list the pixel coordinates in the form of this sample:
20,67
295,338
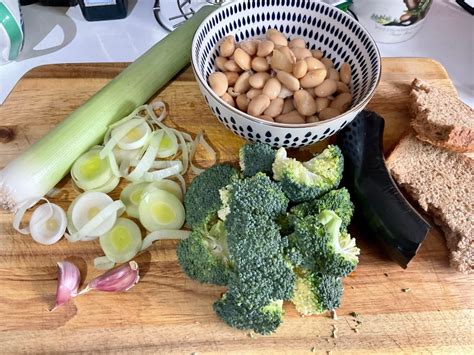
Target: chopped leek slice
125,155
164,234
91,172
168,145
166,185
48,224
160,209
92,214
122,242
131,197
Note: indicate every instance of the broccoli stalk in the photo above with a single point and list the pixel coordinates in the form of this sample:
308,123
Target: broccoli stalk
305,181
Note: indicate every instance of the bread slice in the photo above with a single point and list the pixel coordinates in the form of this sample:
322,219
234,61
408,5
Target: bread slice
441,119
442,182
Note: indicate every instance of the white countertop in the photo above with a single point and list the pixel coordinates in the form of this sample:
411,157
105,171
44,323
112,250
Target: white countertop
62,35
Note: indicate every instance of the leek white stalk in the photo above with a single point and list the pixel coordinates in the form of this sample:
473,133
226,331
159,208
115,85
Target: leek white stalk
37,170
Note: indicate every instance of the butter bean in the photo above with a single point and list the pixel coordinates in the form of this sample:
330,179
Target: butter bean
260,64
328,63
232,92
266,118
231,65
341,87
317,53
304,103
272,88
218,83
242,59
227,46
258,105
288,80
252,93
345,73
322,103
328,113
300,68
258,80
327,88
312,119
220,62
275,108
314,64
285,92
332,74
281,61
342,102
297,42
288,106
276,37
301,53
292,117
242,102
249,46
313,78
227,98
265,48
231,77
242,84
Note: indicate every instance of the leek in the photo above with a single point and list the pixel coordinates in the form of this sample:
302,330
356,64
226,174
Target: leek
37,170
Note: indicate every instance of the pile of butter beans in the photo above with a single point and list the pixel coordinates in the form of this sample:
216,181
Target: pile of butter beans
279,80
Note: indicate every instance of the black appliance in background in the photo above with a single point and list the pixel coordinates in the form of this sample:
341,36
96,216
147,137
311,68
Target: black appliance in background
92,10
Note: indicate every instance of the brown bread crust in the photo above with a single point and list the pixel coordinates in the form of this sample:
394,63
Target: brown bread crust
442,183
441,119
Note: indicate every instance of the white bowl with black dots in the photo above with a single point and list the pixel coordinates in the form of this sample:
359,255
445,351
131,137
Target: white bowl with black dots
338,35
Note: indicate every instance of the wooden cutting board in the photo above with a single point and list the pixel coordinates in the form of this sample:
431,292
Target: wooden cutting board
169,313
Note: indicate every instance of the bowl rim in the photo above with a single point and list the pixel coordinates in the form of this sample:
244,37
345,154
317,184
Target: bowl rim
355,109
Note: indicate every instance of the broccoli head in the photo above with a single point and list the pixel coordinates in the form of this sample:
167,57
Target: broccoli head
202,200
315,293
257,195
204,255
322,246
240,315
338,201
305,181
255,158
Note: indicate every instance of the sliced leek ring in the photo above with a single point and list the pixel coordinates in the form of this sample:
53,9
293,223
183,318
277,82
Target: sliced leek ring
48,224
122,242
108,186
146,162
164,234
166,185
131,196
168,145
90,171
160,209
125,155
92,214
136,137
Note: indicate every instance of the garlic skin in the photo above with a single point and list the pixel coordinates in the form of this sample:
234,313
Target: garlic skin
69,278
119,279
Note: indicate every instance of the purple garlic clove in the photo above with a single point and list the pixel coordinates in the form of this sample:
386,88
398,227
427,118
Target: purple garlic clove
69,278
119,279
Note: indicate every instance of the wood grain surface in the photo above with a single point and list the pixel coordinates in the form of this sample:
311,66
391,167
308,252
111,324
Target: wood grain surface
169,313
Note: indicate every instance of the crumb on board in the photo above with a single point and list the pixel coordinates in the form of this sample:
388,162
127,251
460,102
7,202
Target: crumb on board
386,274
354,314
352,287
250,335
334,331
313,349
408,289
333,314
329,352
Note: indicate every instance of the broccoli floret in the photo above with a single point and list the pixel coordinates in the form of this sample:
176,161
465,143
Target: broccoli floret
338,201
202,200
322,245
261,272
255,158
315,293
305,181
240,315
204,255
256,195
